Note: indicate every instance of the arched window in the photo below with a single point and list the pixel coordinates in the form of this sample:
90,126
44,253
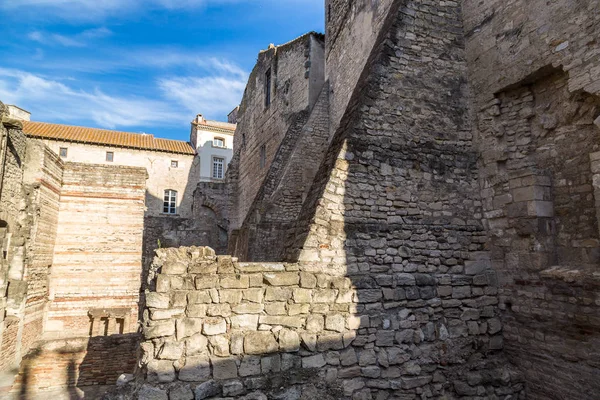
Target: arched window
170,202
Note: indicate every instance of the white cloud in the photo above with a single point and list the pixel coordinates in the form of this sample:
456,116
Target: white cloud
78,40
51,100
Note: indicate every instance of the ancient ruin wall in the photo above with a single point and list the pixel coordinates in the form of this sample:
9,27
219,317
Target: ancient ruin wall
535,71
96,274
292,84
215,326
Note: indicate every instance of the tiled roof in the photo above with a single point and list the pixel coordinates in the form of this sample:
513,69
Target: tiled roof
105,137
216,124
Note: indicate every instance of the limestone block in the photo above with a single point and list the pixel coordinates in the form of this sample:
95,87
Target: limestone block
224,368
292,322
335,322
181,392
219,345
260,343
207,389
348,357
461,292
219,310
274,293
188,326
196,369
203,268
254,295
234,282
157,300
308,280
248,308
404,279
160,329
199,297
315,361
174,268
161,371
206,281
196,310
230,296
163,284
330,342
244,322
237,343
196,344
302,295
276,308
225,265
157,315
214,326
233,388
250,366
270,364
296,309
289,341
325,295
170,351
178,299
282,278
384,338
315,323
309,340
148,392
369,295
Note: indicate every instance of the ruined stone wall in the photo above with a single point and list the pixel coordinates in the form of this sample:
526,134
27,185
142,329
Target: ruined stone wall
279,200
352,28
215,326
97,269
535,71
259,125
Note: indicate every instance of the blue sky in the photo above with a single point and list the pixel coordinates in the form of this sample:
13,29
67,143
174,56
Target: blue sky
139,65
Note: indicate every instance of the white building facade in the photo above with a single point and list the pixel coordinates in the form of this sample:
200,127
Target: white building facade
213,141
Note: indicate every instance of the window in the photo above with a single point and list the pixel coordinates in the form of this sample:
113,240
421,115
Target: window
63,152
218,142
170,202
263,156
268,88
174,164
329,13
218,167
243,139
110,156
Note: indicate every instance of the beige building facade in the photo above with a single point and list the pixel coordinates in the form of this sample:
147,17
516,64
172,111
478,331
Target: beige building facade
173,170
213,141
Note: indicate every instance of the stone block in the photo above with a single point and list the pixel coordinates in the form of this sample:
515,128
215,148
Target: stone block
160,371
404,279
160,329
170,351
369,295
282,278
174,268
163,284
214,326
335,322
206,282
219,310
196,310
224,368
250,366
244,322
157,300
234,282
275,293
292,322
260,343
297,309
233,388
248,308
188,326
157,315
302,295
148,392
276,308
254,295
325,295
289,341
196,369
219,345
203,268
181,392
308,280
230,296
270,364
315,361
199,297
207,389
196,344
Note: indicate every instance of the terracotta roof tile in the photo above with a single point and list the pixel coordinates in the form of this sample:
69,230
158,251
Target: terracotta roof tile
80,134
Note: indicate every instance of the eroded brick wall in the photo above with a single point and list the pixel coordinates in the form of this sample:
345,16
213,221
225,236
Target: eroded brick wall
218,327
98,252
534,73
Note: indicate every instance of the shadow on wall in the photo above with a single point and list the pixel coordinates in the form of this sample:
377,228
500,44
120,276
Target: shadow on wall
388,293
75,368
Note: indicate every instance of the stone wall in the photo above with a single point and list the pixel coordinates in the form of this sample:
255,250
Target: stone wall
535,71
96,275
262,128
280,198
215,326
74,368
